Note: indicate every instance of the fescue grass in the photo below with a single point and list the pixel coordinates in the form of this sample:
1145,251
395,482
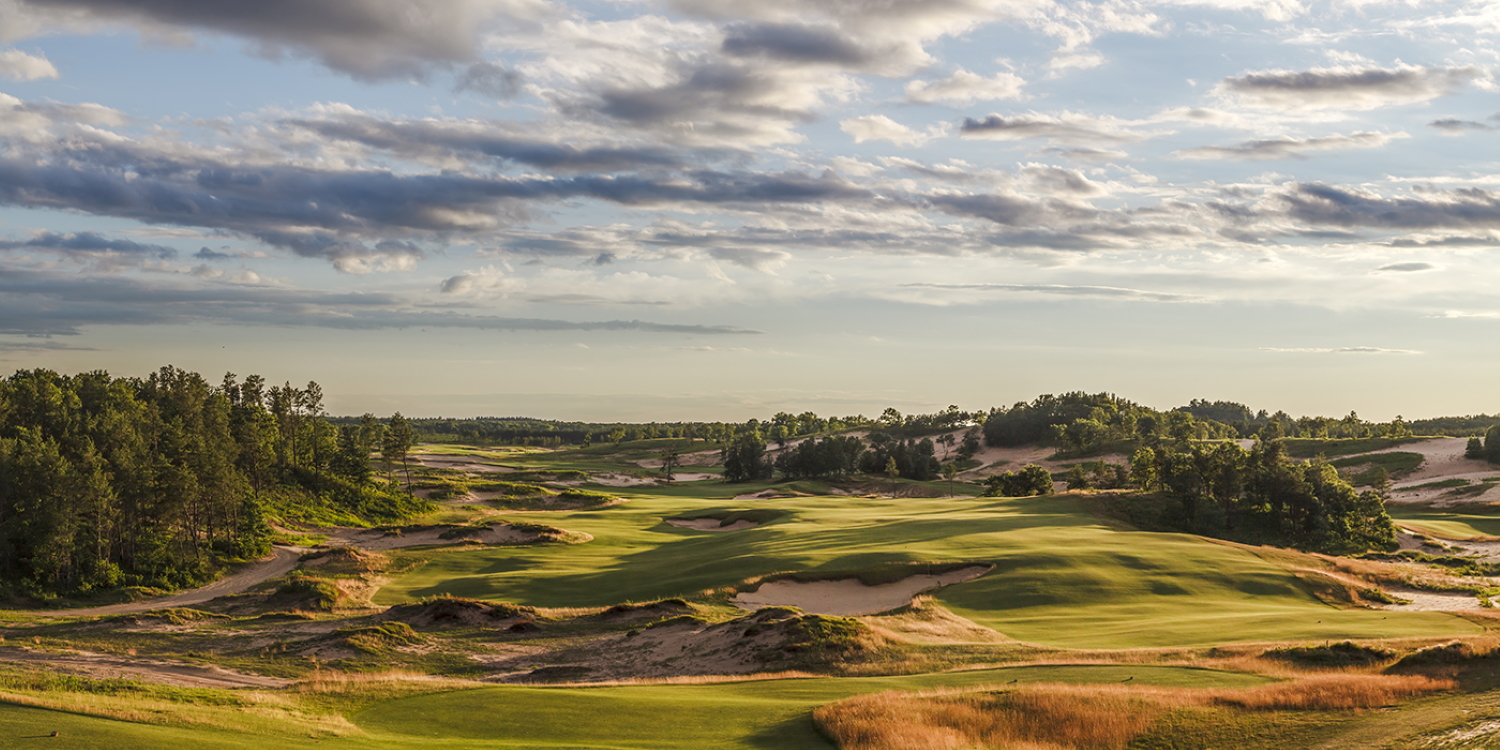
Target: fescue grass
1082,717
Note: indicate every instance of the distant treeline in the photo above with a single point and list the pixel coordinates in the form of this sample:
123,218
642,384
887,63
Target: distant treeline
159,481
1077,422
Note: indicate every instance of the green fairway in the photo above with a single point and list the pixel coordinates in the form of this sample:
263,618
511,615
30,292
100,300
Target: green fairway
1447,523
1062,577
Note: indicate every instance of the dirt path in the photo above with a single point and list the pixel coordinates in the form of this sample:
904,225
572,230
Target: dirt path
161,671
280,562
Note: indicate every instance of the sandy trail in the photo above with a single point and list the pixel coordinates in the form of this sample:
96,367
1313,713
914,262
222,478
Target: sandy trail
710,524
280,562
161,671
848,597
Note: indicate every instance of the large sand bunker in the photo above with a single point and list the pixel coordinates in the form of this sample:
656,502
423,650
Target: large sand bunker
848,597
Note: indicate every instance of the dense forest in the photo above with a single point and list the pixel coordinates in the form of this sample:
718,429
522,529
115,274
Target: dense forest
159,481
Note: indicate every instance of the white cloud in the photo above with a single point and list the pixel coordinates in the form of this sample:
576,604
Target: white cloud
964,88
22,66
882,128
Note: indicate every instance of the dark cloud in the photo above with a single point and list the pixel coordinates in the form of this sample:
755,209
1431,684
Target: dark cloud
89,245
41,303
1065,290
368,39
1357,88
1454,126
1069,131
358,219
489,79
712,89
1012,210
1407,266
1288,148
1327,204
430,138
793,43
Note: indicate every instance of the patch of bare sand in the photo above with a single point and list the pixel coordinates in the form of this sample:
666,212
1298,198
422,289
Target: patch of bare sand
1431,601
152,670
710,524
376,540
848,597
459,463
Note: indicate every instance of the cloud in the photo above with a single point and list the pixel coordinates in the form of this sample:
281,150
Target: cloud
765,261
1062,290
1347,87
1470,314
100,252
964,88
489,79
1066,129
367,39
1406,267
1338,350
1455,126
22,66
1320,203
47,303
882,128
794,43
455,143
1289,148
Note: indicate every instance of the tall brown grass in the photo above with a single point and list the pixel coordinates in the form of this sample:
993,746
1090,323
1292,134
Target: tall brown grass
1080,717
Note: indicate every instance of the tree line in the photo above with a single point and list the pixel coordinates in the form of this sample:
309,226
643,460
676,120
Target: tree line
160,481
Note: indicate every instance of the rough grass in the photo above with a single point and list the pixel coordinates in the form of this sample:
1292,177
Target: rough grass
1092,717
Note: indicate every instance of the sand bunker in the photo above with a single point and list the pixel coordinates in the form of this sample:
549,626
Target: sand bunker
710,524
848,597
1432,601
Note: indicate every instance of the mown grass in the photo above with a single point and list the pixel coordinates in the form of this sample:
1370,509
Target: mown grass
1457,522
1062,577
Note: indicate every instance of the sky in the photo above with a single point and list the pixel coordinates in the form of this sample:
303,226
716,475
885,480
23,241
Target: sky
707,209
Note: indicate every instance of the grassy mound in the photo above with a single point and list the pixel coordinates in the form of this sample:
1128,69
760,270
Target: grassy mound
1345,654
450,612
